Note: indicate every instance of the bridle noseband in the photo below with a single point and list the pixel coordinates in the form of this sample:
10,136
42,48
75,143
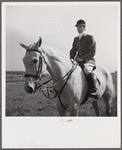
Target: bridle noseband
41,58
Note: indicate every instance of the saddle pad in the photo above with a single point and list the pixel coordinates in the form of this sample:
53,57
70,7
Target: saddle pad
101,79
98,75
100,86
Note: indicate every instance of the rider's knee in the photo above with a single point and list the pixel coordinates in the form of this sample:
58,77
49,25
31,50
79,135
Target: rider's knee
88,68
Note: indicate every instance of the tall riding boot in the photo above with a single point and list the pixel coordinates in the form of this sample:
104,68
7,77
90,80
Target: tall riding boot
92,82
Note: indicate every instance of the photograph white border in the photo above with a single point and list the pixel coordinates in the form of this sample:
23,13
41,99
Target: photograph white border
49,132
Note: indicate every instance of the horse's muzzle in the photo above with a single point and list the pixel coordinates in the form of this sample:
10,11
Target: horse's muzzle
31,89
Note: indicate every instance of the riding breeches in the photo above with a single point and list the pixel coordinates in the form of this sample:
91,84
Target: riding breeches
87,67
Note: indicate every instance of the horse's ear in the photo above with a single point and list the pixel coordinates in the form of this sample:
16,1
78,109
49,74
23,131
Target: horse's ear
40,41
23,45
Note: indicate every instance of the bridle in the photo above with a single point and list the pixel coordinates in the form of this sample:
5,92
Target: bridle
38,75
40,85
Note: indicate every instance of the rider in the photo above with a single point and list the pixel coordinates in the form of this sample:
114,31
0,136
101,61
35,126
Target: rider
83,51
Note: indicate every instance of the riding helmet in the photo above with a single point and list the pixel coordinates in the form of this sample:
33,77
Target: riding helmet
80,22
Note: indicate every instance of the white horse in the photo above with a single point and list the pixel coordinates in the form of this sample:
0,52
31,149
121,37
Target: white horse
69,81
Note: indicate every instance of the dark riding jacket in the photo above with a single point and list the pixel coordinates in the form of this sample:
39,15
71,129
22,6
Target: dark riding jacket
86,48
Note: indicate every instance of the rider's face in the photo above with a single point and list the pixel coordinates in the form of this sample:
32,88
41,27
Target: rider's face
80,28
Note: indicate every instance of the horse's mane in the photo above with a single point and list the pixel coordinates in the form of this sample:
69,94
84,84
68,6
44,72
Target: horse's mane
54,53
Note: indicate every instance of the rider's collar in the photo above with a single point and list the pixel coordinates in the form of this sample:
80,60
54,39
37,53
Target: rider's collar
81,34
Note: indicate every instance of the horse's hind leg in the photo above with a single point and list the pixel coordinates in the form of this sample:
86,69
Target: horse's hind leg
108,101
109,95
95,106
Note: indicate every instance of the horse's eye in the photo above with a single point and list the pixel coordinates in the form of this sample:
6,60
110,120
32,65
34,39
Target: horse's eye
35,61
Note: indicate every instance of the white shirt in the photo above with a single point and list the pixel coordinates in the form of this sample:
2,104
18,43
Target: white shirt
80,35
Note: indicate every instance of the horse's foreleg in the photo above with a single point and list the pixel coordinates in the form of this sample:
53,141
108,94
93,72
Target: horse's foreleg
74,111
61,110
95,106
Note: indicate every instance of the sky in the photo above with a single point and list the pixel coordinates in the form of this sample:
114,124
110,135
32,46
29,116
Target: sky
55,23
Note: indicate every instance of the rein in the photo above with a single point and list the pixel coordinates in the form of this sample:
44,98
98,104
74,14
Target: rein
65,78
45,87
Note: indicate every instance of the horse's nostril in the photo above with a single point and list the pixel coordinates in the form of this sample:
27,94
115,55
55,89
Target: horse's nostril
29,90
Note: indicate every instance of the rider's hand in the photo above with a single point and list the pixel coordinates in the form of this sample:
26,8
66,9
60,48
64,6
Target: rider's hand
72,60
79,59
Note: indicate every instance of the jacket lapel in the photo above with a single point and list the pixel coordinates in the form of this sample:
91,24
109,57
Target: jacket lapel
84,35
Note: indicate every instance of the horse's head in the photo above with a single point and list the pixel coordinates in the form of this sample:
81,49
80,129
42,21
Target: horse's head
33,65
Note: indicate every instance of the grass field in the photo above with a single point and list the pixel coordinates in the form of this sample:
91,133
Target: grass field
20,103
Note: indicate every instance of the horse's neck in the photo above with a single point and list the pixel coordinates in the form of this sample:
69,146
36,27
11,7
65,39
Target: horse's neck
57,63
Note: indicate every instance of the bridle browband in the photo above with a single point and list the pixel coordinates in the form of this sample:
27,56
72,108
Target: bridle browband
38,74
